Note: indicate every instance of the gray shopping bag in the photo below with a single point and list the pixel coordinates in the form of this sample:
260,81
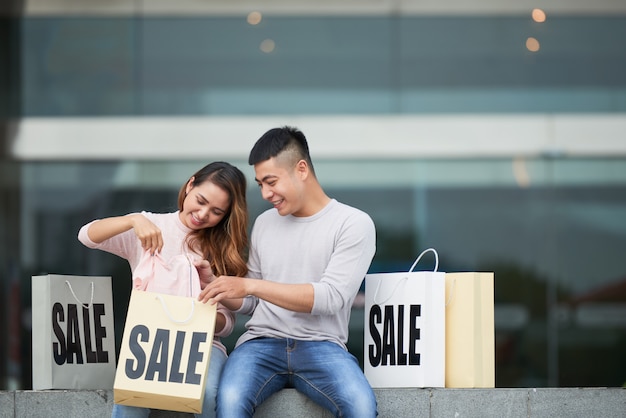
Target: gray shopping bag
72,332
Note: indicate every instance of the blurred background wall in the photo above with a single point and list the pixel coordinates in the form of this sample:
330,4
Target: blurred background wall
490,131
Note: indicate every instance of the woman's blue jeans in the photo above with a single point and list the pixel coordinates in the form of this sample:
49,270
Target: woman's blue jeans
322,370
218,359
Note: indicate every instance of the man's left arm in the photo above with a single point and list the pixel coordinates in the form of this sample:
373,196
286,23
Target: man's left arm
230,290
350,261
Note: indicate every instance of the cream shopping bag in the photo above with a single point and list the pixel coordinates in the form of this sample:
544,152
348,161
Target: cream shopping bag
165,352
72,332
404,328
470,339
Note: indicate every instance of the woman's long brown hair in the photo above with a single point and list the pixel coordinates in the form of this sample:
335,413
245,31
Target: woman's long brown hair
225,245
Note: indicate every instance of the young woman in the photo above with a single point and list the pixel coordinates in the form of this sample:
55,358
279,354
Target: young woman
210,224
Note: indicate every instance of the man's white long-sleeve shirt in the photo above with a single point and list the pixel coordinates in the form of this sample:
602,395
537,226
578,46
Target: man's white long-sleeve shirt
332,250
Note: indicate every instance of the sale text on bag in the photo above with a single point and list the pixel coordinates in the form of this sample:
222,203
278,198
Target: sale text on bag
74,341
390,336
158,348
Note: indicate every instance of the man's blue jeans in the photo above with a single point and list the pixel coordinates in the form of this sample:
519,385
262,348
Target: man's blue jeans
216,365
321,370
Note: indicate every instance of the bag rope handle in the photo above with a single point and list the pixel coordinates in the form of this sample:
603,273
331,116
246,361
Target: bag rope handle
171,317
190,274
419,257
85,305
436,267
451,292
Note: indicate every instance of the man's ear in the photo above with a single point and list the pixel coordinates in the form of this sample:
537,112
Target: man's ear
302,168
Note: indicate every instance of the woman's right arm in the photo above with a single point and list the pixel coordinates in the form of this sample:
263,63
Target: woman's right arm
147,232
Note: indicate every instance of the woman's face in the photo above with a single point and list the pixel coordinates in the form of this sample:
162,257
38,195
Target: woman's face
204,206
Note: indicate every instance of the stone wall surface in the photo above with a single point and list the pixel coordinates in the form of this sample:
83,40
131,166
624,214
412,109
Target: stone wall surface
392,403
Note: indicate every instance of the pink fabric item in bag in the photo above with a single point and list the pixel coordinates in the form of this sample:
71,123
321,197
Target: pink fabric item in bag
177,277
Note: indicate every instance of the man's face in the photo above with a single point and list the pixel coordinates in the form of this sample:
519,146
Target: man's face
280,186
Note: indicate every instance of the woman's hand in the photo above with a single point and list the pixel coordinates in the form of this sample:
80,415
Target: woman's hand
205,272
147,232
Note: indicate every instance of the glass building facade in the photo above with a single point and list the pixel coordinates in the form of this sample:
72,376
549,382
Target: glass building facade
551,226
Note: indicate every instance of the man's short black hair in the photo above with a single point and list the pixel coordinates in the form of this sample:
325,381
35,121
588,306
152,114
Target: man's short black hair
279,140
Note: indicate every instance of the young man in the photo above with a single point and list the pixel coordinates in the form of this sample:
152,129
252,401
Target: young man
308,257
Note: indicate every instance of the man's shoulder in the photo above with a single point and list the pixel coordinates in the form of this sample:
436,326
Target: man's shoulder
267,218
268,214
335,210
350,211
351,219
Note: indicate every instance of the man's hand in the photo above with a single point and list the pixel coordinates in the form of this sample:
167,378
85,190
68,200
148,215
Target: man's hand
224,287
205,272
230,291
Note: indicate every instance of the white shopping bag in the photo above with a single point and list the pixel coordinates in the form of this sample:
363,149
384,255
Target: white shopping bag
405,328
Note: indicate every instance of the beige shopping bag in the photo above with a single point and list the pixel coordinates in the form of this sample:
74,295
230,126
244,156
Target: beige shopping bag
165,352
470,339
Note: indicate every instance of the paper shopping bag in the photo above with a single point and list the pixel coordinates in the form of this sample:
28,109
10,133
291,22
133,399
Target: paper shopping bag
165,352
72,332
404,328
470,340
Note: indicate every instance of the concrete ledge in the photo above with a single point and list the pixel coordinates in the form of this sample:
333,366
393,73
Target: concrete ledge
396,403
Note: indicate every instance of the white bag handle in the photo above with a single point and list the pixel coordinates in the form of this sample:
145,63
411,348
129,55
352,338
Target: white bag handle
85,305
171,317
190,274
420,256
406,277
436,267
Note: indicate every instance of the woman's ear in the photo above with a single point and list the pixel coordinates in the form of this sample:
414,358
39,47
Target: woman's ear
189,185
